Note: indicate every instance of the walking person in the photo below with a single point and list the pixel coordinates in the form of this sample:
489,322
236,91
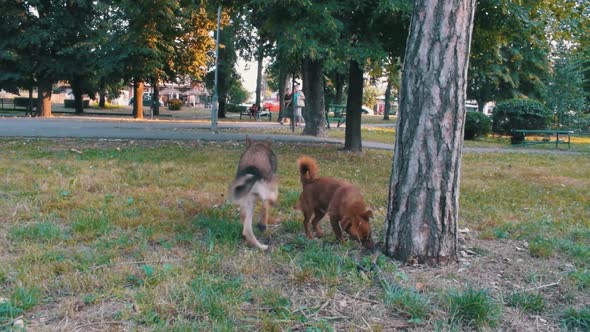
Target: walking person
299,103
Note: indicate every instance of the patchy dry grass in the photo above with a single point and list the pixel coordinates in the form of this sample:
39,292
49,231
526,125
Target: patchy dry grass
120,235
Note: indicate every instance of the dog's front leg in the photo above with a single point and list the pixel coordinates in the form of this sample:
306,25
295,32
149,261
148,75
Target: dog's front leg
247,212
337,228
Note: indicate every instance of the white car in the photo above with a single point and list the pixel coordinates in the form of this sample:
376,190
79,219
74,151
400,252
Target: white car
366,110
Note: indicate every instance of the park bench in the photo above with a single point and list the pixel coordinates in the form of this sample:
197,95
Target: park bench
263,113
519,137
338,114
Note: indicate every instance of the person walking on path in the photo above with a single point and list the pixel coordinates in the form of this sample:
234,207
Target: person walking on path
298,104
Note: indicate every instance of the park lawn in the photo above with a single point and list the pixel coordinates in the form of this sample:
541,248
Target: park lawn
116,234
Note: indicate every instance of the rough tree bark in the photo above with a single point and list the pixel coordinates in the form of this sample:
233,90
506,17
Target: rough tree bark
354,104
283,86
259,65
155,97
421,223
78,95
138,99
387,107
313,84
44,98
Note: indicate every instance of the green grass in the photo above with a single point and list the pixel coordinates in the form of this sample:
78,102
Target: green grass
407,301
530,302
474,308
576,320
142,231
39,232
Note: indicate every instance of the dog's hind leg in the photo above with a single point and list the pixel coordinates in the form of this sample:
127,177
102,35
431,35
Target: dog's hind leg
264,215
316,223
247,211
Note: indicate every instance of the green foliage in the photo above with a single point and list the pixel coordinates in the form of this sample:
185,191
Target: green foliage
370,94
564,92
174,104
232,108
69,103
528,302
576,320
474,308
520,114
476,125
237,94
406,301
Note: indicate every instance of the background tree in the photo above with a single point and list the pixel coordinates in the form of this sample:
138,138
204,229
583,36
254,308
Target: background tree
564,93
364,23
421,223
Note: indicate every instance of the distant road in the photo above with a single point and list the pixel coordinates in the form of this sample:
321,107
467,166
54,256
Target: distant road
114,128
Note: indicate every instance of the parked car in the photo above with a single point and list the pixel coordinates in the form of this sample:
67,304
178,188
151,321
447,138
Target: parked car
147,100
271,105
366,110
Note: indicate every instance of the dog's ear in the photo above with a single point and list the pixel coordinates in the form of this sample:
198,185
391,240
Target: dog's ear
248,141
367,215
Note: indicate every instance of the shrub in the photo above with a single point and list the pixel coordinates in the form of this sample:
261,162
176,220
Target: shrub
69,103
233,108
174,104
22,102
520,114
476,124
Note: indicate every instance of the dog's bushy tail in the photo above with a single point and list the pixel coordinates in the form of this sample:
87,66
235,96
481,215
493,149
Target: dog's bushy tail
243,183
308,169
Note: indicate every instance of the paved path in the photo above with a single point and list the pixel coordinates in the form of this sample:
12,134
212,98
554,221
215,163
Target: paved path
116,128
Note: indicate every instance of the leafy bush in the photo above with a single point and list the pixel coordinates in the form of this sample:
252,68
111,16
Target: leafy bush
174,104
520,114
233,108
69,103
476,124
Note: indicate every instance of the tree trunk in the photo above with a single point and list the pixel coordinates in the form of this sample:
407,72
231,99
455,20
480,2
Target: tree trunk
480,105
283,85
76,84
387,107
102,94
30,105
156,97
313,84
138,99
421,223
102,99
352,136
339,88
259,59
44,98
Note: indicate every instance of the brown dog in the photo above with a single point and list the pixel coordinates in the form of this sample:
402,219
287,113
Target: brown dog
340,199
256,178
